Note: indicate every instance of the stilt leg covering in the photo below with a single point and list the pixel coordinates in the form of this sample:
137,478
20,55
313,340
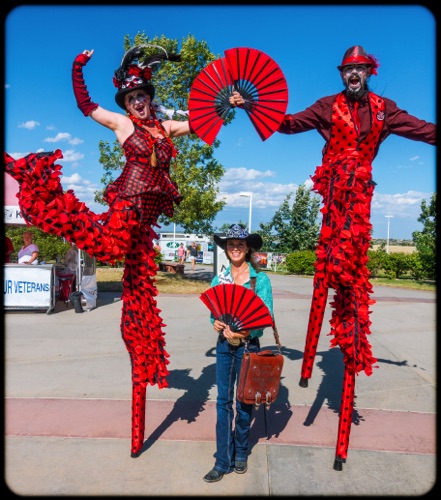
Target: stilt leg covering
316,314
346,409
138,418
141,329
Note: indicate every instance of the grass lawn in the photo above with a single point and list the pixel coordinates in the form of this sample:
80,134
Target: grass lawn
109,280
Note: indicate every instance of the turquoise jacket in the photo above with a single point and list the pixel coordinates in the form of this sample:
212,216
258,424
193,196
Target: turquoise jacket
263,289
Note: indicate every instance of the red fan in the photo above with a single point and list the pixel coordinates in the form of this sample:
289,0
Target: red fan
262,84
237,306
259,80
208,102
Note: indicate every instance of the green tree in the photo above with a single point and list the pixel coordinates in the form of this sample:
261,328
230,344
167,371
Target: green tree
294,228
195,169
425,240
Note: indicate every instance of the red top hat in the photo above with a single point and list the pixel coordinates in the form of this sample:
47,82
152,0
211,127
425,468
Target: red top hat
357,55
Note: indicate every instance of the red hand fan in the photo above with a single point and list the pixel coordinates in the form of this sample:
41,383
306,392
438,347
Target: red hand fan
260,81
238,307
208,102
251,72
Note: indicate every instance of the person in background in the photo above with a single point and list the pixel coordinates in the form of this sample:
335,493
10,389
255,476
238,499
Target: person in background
232,444
28,253
71,259
9,249
193,252
157,247
181,254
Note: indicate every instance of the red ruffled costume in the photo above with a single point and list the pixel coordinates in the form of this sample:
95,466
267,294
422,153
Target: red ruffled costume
122,232
344,180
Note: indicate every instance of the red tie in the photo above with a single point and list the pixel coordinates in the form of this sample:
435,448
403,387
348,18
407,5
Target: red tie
356,117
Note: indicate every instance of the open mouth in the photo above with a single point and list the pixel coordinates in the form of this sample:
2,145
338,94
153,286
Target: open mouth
354,82
140,109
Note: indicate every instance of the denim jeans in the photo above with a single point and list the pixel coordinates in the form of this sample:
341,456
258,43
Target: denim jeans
231,444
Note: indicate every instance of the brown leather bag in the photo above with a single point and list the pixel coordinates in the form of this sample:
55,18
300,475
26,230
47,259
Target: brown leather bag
259,378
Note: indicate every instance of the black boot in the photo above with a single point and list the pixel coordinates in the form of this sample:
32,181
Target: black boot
75,298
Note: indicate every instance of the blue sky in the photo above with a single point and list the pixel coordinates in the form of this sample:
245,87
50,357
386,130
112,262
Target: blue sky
307,42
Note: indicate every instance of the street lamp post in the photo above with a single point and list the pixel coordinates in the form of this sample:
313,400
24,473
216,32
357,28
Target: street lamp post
250,195
174,241
388,217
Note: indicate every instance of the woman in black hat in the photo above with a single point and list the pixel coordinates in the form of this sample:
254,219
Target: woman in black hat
141,193
232,444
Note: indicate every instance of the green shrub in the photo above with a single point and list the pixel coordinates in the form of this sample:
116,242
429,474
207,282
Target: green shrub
397,264
376,261
301,262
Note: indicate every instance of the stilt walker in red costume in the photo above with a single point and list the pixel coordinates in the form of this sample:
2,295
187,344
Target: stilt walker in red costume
141,193
353,123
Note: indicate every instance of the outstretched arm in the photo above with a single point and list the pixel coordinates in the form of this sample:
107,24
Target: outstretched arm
175,128
109,119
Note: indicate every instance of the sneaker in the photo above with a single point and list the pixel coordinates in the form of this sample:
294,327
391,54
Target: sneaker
240,467
213,476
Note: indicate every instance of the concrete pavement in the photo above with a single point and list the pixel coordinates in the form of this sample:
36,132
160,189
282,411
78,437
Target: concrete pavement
68,404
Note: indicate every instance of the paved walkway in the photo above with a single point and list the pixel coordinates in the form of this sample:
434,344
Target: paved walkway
68,404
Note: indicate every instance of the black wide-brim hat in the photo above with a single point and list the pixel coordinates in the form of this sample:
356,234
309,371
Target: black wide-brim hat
121,94
238,232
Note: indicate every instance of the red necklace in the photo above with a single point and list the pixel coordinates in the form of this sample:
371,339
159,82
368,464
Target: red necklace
152,140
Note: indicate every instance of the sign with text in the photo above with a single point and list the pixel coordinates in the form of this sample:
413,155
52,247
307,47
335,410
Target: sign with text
28,287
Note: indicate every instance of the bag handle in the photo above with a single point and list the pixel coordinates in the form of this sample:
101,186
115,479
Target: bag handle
275,331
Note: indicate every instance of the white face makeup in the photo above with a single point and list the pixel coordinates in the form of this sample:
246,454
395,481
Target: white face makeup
354,78
138,103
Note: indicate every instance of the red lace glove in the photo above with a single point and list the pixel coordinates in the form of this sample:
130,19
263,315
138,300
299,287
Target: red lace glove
79,87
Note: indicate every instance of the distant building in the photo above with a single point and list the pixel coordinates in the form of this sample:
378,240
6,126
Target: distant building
169,243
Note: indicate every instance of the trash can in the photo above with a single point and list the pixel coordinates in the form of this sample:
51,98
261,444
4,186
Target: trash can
75,298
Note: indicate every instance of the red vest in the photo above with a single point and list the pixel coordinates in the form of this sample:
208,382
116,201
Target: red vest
344,139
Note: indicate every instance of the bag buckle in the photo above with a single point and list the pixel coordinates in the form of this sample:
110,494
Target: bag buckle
268,400
257,400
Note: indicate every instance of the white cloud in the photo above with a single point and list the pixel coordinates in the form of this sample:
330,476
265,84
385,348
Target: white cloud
72,155
64,136
76,141
84,190
402,205
265,194
241,173
61,136
30,125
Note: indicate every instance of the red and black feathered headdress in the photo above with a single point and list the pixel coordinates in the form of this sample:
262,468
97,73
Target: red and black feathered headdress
136,70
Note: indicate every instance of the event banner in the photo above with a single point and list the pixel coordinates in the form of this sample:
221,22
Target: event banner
28,286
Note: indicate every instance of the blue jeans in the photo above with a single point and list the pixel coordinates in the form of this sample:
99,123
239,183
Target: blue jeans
231,444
